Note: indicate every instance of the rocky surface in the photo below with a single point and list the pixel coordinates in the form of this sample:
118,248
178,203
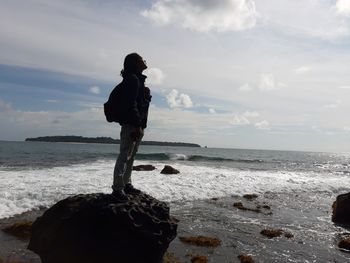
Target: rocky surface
341,209
169,170
98,228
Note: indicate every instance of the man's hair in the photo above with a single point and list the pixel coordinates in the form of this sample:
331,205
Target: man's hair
130,63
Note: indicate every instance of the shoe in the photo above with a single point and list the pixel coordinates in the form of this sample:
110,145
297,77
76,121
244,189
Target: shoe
120,195
130,189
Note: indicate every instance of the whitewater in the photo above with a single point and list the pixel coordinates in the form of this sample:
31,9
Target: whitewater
24,190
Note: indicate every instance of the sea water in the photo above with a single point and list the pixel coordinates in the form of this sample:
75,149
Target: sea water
299,186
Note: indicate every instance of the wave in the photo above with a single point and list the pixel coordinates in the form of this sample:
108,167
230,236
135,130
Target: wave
193,158
44,187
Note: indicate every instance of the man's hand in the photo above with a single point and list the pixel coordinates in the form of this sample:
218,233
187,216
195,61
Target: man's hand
147,93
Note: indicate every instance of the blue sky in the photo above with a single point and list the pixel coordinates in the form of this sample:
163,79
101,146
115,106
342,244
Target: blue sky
232,73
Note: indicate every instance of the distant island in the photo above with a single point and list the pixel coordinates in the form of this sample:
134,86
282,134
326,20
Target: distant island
106,140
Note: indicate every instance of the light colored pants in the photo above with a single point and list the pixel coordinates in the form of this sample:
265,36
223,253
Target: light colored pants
127,152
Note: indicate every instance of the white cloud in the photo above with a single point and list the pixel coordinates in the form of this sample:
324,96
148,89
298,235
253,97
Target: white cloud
239,120
212,111
176,100
95,90
347,128
333,105
343,7
245,87
154,76
267,82
344,87
251,114
199,15
263,125
302,69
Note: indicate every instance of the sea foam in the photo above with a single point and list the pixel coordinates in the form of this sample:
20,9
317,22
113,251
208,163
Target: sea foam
24,190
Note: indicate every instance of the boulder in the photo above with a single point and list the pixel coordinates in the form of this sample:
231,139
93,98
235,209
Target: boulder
169,170
341,209
98,228
146,167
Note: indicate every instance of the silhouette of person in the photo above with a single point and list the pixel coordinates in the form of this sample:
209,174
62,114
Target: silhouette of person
136,102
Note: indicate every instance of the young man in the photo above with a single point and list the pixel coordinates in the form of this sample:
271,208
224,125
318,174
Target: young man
136,102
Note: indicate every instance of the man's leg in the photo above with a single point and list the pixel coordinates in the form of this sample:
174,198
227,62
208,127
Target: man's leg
126,144
130,162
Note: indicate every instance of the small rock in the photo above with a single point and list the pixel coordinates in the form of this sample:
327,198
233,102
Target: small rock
250,196
267,207
201,241
245,258
214,198
21,230
169,170
240,206
345,244
271,233
147,167
169,257
199,259
288,235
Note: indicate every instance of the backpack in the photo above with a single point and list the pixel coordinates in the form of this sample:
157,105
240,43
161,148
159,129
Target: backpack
113,106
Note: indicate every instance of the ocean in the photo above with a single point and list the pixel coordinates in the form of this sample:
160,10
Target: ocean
299,188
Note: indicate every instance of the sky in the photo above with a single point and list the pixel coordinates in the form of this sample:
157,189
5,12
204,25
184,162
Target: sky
264,74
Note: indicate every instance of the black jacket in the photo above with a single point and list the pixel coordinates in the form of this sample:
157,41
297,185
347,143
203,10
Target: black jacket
136,100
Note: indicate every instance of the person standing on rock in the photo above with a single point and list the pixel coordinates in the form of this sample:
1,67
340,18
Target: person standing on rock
135,105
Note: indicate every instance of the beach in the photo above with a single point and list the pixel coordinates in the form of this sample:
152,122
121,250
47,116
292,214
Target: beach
294,193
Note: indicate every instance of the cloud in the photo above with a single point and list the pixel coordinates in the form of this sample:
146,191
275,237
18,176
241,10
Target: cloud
263,125
245,87
204,15
212,111
343,7
239,120
176,100
4,106
302,70
154,76
333,105
267,82
251,114
344,87
95,90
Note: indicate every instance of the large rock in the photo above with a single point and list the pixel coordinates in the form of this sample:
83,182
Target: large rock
169,170
341,209
97,228
144,167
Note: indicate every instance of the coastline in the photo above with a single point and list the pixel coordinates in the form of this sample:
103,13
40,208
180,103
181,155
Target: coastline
239,232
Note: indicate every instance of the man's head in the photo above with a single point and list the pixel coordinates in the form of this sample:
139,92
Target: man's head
134,63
